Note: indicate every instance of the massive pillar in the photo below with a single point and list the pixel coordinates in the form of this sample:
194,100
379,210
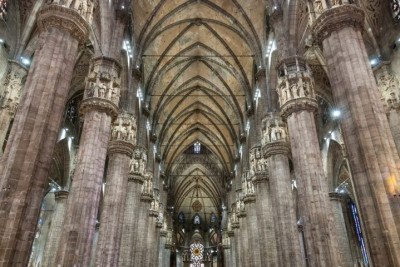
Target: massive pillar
152,240
131,208
366,131
236,231
276,150
98,107
120,150
336,200
140,252
53,239
26,160
269,255
298,104
249,199
10,97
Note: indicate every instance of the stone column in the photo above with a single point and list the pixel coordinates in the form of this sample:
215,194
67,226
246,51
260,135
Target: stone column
243,234
131,210
10,97
53,239
152,237
249,200
269,254
98,107
366,131
276,150
298,104
26,160
336,200
236,232
120,150
140,248
389,87
168,248
227,252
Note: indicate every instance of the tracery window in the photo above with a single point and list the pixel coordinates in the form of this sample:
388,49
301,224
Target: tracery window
181,218
213,218
196,254
196,219
197,147
395,5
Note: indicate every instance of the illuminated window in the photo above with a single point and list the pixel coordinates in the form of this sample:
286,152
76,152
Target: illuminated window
196,254
213,218
196,219
197,147
396,9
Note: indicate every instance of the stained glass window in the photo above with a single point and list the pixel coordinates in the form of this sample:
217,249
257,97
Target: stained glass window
196,219
196,254
395,5
197,147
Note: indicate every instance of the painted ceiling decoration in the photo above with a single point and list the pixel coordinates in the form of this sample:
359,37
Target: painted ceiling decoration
198,59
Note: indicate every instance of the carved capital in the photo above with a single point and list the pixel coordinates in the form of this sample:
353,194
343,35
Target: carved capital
336,19
138,162
103,86
66,19
249,198
120,147
388,86
276,148
295,86
274,136
124,129
231,233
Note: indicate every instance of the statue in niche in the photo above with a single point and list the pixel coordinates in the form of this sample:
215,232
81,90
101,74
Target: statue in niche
318,7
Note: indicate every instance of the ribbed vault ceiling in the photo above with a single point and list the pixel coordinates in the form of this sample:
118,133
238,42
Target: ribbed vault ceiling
198,59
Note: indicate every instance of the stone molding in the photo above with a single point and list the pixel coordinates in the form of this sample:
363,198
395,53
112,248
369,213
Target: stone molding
99,104
260,177
249,198
62,194
336,196
135,178
336,19
280,147
231,233
163,232
120,147
66,19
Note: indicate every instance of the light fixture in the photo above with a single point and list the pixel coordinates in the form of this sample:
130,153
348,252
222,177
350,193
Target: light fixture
374,61
336,113
25,61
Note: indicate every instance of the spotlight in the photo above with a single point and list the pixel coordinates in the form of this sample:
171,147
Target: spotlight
25,61
336,113
374,61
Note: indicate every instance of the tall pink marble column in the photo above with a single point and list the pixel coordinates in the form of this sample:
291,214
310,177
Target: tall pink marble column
298,104
120,150
53,239
373,160
10,97
276,150
132,206
26,160
140,252
268,249
98,107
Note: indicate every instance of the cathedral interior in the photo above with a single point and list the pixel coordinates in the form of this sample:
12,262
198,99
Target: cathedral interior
190,133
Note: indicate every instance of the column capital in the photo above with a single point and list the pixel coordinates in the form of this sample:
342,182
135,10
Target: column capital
274,136
123,135
336,19
103,86
64,18
147,188
231,233
249,198
295,86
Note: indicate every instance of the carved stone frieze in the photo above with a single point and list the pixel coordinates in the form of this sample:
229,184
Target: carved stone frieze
103,87
83,7
154,208
274,137
57,16
13,83
257,163
147,188
138,162
295,86
337,18
388,86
